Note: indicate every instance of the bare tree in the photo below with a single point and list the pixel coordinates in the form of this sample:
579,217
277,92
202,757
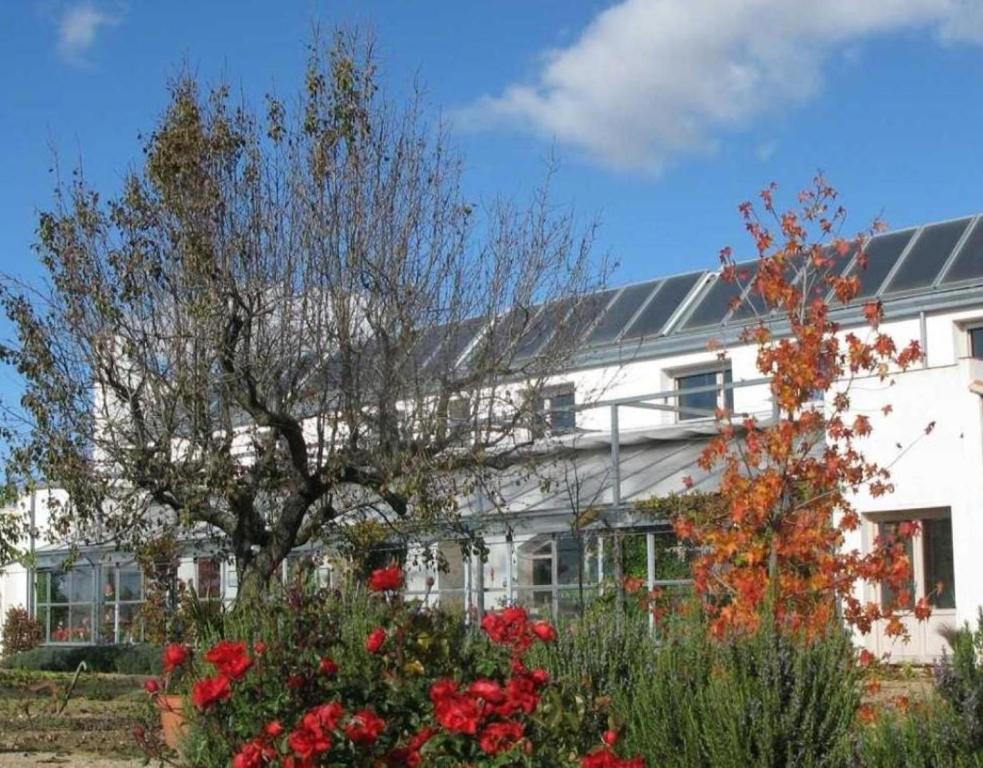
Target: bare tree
284,317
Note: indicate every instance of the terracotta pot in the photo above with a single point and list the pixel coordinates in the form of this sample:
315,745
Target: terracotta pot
172,720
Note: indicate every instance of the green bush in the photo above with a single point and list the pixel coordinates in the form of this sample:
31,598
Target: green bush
932,736
768,700
959,680
124,659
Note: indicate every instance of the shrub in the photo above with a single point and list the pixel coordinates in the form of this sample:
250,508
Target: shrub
929,736
316,678
768,699
124,659
21,631
959,680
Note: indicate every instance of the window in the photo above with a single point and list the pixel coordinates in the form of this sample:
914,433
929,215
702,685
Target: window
697,400
553,411
930,553
122,599
208,578
65,604
557,573
976,343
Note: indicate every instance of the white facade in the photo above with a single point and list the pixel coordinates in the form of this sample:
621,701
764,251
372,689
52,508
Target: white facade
632,451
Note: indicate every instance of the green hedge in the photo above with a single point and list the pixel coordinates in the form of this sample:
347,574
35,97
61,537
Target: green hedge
124,659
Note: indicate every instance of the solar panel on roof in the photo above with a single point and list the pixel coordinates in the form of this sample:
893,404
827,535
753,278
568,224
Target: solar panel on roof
717,301
542,328
882,252
927,256
619,313
660,308
969,262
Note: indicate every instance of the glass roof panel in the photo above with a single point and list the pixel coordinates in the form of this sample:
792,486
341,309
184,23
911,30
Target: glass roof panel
717,301
542,328
666,301
927,256
969,262
619,313
882,253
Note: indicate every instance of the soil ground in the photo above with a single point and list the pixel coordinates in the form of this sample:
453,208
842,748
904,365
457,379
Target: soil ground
37,726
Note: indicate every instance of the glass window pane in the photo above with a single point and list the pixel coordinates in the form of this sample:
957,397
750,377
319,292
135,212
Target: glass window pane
130,584
619,313
80,585
80,623
542,572
969,263
888,595
107,624
922,264
41,613
882,252
976,343
59,587
569,561
704,401
940,582
718,300
130,624
41,581
59,624
666,301
209,585
562,416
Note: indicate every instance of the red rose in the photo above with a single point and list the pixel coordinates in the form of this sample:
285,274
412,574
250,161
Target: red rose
254,754
328,667
540,677
544,631
230,658
458,714
376,639
604,758
273,729
386,579
175,655
488,690
501,736
210,690
365,727
313,736
259,647
295,682
610,738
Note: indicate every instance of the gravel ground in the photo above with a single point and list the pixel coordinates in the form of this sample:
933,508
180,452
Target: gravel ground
52,760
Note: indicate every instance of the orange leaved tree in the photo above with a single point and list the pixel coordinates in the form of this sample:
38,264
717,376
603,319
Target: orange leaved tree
775,534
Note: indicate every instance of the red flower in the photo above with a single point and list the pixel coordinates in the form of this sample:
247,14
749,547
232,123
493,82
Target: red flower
488,690
230,658
365,727
386,579
376,639
458,714
605,758
313,736
152,686
610,738
520,694
544,631
210,690
295,682
501,736
273,729
259,647
175,655
254,754
328,667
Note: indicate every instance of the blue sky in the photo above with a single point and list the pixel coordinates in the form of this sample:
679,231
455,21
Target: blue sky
664,114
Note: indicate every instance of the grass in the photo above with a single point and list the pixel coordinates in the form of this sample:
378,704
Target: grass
97,718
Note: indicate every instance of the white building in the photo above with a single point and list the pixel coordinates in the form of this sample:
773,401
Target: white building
646,354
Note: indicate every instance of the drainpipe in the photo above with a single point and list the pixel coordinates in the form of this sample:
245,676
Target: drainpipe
32,546
923,334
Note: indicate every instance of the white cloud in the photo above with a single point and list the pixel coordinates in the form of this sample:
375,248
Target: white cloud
78,28
648,80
